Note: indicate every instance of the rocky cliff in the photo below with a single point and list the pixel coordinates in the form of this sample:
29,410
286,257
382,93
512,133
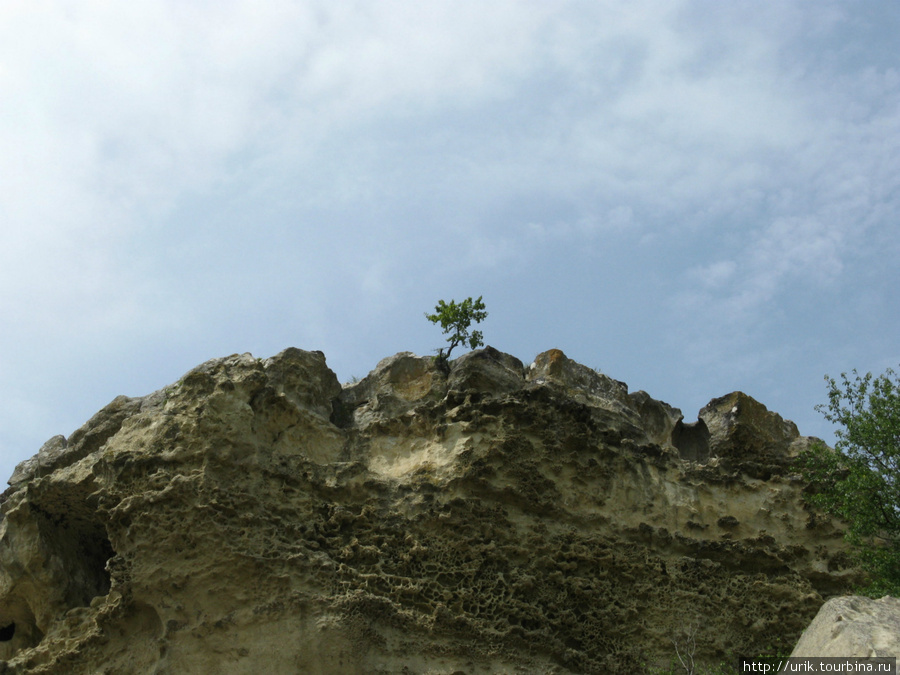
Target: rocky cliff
258,517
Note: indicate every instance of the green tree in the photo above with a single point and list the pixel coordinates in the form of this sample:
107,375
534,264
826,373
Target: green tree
859,481
455,319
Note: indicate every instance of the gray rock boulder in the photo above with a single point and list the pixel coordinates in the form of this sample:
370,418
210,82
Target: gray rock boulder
853,626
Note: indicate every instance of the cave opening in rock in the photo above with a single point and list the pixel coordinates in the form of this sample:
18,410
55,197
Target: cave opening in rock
18,628
97,552
692,441
74,533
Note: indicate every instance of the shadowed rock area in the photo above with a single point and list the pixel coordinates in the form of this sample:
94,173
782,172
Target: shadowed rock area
258,517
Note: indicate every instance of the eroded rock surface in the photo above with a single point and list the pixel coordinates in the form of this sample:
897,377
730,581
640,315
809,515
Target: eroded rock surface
258,517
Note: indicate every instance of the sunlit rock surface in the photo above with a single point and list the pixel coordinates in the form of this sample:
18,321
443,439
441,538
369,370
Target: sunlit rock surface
258,517
853,626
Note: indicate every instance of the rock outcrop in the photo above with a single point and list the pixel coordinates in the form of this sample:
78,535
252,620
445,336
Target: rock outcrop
256,516
853,626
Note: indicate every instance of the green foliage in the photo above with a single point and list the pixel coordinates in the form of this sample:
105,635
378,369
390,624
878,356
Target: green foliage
455,319
859,481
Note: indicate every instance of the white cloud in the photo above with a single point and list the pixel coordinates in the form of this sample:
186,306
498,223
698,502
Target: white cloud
713,276
170,166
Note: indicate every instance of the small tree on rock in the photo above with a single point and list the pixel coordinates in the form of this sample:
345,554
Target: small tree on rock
859,481
455,319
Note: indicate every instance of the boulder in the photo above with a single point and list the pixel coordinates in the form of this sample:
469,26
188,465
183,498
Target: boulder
47,457
397,385
487,370
853,626
741,427
659,420
582,383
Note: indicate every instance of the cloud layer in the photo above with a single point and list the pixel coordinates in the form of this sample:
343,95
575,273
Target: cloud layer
695,196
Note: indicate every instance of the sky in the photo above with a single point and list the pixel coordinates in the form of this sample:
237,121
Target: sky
692,196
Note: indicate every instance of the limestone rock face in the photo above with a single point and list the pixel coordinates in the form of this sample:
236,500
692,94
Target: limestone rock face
853,626
258,517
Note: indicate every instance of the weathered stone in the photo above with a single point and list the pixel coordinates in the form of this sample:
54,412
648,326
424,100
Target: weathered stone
47,457
740,426
579,381
396,385
59,452
658,419
853,626
487,370
257,517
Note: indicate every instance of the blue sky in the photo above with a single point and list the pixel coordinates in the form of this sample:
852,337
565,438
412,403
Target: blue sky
695,197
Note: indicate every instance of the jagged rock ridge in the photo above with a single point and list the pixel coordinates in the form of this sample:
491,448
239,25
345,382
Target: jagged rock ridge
257,516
